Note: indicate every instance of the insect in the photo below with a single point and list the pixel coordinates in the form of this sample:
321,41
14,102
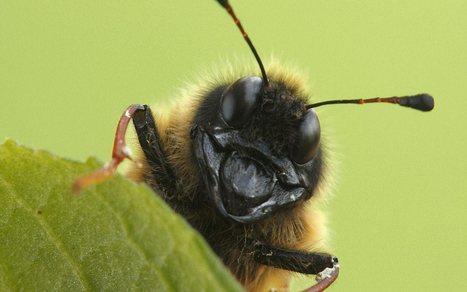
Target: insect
242,160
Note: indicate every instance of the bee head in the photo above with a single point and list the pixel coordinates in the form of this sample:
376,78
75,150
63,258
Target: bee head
256,148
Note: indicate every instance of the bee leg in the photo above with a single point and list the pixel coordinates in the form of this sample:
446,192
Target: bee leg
154,151
325,266
120,152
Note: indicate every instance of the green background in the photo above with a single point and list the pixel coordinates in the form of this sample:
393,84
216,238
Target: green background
398,218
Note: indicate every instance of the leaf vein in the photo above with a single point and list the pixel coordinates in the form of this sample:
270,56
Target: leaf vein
54,238
135,245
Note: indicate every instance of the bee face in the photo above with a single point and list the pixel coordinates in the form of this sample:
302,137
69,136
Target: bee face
256,149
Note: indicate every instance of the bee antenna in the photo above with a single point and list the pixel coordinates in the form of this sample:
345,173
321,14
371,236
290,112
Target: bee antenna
423,102
226,5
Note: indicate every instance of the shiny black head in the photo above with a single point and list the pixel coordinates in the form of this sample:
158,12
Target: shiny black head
256,144
258,150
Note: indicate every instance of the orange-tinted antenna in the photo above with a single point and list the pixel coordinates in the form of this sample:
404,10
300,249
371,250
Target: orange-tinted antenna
226,5
423,102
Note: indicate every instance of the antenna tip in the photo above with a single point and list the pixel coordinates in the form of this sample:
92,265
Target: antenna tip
423,102
224,3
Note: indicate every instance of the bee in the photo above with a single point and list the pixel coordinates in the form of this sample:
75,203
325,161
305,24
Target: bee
241,159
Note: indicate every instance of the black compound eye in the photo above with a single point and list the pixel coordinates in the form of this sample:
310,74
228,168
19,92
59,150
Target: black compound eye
239,101
307,142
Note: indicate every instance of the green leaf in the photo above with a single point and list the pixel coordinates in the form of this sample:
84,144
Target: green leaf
114,236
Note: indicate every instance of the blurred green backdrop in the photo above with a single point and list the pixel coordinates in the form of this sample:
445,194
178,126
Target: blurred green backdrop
398,220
